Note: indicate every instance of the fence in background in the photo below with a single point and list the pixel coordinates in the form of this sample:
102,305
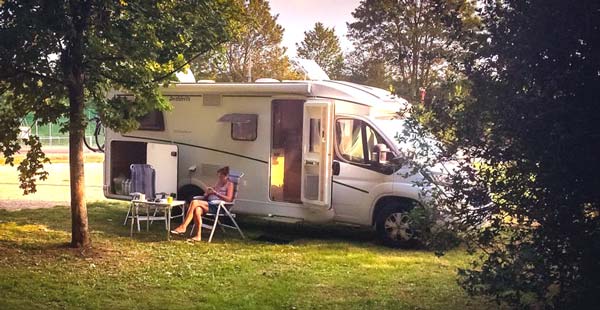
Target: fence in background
50,134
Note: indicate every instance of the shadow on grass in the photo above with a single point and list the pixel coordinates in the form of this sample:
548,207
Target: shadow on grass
106,218
285,233
103,217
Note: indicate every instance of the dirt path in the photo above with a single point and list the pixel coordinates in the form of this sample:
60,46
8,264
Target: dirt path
52,192
20,204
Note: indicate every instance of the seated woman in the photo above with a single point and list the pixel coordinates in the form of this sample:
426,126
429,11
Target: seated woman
223,191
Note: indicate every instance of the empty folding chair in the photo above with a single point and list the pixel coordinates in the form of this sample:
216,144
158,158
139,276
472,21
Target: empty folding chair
142,183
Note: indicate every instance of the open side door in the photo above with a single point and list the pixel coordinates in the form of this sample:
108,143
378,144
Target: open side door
317,153
164,159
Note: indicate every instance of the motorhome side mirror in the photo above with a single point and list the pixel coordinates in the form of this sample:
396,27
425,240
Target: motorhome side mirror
399,161
379,153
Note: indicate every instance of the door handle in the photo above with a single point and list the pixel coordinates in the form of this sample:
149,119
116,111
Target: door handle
336,167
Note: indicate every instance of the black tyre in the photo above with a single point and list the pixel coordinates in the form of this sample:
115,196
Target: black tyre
394,228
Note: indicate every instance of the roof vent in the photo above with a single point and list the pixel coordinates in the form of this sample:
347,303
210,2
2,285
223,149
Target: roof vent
185,77
266,80
310,69
211,100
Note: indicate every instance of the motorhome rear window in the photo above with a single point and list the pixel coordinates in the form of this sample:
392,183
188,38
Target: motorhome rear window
154,121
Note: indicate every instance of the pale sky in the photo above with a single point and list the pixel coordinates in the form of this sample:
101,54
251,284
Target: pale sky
297,16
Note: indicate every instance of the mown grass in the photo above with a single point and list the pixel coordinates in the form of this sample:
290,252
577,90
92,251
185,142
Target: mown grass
293,267
304,267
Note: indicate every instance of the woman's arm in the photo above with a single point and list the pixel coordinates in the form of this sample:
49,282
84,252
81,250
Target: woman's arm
229,196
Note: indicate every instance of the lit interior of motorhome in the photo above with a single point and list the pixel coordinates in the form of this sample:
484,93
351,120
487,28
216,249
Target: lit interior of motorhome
286,151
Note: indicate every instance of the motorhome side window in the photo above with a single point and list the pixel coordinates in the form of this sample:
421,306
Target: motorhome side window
350,140
244,131
315,136
356,140
243,126
154,121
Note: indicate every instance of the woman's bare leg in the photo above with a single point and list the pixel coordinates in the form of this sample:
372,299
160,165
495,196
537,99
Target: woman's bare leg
203,205
198,221
188,217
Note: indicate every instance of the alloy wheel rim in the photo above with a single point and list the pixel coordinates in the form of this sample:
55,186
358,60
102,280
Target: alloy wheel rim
397,226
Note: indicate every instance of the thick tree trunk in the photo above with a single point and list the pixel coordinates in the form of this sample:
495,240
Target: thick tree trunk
80,236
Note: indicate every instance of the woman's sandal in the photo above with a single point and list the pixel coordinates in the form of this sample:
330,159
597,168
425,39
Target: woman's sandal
175,232
192,240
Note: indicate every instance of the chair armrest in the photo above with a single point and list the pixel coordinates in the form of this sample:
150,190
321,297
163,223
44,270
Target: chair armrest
198,198
228,205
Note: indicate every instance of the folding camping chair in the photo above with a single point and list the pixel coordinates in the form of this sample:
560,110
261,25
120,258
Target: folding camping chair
143,180
223,211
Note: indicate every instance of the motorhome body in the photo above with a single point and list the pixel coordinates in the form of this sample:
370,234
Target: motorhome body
310,150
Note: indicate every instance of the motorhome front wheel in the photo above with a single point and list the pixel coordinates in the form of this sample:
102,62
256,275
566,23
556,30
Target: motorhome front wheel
395,228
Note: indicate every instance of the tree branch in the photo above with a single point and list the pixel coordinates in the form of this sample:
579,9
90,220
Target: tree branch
15,72
106,58
113,78
184,64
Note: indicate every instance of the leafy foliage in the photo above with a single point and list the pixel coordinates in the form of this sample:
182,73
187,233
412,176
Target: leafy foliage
432,231
253,52
135,45
523,119
31,168
411,38
58,56
361,68
323,46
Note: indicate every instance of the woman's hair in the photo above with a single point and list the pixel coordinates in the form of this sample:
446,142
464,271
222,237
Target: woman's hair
224,170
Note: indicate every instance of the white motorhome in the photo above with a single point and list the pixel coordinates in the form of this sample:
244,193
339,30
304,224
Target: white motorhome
316,151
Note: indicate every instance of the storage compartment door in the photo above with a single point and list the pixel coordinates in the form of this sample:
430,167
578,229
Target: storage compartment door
163,158
317,152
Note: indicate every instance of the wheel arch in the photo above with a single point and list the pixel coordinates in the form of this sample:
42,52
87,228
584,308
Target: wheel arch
188,191
387,200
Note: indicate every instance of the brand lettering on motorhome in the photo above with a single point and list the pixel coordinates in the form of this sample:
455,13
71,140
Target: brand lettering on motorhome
179,98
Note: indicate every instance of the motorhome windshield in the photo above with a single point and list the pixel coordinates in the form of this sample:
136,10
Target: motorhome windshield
394,129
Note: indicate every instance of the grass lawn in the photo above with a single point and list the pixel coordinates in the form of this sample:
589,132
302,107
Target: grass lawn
320,268
315,267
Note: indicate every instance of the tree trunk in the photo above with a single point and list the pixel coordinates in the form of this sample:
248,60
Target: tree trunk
80,236
73,69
